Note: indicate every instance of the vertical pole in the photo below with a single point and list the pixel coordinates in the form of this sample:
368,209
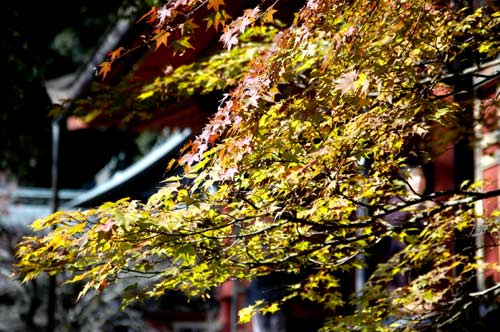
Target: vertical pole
478,175
360,274
54,206
234,306
236,292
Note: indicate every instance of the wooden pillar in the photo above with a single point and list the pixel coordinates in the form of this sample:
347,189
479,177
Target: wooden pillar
487,158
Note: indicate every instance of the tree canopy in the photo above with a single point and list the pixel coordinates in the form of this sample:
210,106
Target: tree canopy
321,118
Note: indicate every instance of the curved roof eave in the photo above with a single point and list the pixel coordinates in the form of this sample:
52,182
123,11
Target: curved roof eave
114,186
72,85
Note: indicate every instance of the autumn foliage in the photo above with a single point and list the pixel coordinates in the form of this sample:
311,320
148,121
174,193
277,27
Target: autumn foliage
321,115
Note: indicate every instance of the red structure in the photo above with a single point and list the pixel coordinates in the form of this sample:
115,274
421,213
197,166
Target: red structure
487,161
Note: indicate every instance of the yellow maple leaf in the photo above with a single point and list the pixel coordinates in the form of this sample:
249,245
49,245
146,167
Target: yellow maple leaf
268,15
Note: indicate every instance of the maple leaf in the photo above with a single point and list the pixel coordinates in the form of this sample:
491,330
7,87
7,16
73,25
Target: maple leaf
161,39
206,133
223,120
253,100
163,14
150,16
106,227
420,130
104,69
189,159
243,23
210,21
202,148
184,41
346,82
218,21
229,39
230,173
215,4
268,15
116,53
252,13
181,45
188,27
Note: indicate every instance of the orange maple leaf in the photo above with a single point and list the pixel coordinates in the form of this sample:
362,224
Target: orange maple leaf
150,16
215,4
162,39
116,53
104,69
